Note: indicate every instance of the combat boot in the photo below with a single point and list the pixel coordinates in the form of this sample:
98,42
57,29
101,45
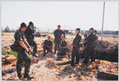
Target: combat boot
27,76
19,76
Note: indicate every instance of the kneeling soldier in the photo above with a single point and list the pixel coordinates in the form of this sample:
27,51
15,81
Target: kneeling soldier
63,48
47,46
23,49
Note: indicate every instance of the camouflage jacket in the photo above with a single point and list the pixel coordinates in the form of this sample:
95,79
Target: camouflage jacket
58,34
29,33
76,41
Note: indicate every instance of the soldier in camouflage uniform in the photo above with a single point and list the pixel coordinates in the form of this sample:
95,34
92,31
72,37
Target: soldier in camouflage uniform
23,49
95,33
29,33
58,33
89,50
47,46
85,40
76,46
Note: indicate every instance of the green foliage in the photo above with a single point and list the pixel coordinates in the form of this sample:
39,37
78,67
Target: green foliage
13,53
10,53
4,53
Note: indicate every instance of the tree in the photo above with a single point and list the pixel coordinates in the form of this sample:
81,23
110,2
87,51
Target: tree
6,29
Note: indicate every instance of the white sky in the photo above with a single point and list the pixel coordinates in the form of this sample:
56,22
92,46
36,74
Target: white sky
70,15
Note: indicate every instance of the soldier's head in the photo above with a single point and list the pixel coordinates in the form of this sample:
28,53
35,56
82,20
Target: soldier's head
31,24
48,38
85,35
95,32
91,30
63,37
77,30
59,27
23,27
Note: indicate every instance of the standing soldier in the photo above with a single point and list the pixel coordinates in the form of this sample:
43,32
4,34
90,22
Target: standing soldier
95,33
47,46
23,49
89,50
75,46
29,33
58,33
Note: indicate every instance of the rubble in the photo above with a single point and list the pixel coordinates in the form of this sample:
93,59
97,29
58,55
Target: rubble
8,59
46,68
51,64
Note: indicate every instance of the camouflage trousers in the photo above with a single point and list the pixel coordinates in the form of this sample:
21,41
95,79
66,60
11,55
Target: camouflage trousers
57,45
45,48
75,55
23,60
89,53
62,51
33,44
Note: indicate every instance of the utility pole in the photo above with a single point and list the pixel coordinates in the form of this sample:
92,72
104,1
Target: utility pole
103,20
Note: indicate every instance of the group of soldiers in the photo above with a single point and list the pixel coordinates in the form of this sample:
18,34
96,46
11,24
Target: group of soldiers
24,39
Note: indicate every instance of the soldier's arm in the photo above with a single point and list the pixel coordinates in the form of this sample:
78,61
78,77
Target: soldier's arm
27,44
63,33
51,44
23,45
55,33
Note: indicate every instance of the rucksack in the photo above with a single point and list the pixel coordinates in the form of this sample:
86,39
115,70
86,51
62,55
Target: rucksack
14,47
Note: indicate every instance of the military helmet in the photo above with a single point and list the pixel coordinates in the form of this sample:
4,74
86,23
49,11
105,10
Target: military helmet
91,29
31,23
95,31
58,26
22,25
78,29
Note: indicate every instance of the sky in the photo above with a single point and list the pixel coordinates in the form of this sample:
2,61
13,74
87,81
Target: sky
69,14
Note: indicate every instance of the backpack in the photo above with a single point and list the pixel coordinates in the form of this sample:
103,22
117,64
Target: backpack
14,47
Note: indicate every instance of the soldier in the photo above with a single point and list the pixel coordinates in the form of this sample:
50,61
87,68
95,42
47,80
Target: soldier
58,33
29,33
63,48
85,40
23,49
95,33
47,46
75,46
89,50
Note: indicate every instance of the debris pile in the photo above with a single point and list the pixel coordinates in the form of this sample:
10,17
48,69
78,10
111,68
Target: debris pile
109,67
51,64
8,59
50,55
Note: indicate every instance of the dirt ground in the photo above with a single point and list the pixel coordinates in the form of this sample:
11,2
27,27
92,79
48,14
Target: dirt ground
49,69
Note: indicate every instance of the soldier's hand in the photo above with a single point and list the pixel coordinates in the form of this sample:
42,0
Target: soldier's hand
30,50
71,48
26,50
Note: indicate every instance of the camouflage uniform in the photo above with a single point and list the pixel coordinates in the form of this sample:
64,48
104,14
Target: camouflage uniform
62,50
22,58
75,50
89,49
29,33
57,40
47,43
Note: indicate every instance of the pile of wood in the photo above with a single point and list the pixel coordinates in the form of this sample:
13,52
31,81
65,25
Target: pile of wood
51,64
8,59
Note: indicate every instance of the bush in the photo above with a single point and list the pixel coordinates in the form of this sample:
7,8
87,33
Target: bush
11,53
